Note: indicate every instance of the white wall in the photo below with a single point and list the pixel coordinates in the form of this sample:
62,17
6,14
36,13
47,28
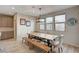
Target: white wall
71,35
22,30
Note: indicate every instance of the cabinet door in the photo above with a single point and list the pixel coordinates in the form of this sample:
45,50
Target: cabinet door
7,35
2,35
4,21
0,21
10,22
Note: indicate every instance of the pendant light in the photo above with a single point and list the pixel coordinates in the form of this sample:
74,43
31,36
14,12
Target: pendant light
39,17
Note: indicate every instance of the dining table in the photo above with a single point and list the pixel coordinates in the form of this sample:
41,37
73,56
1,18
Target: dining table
44,36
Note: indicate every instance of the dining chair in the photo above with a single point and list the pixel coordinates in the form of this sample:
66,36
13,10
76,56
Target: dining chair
24,39
57,45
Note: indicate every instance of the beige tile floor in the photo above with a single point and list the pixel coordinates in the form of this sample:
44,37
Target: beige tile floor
70,49
13,46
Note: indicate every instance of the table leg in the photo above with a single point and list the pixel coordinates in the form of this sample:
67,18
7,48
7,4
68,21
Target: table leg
48,41
50,45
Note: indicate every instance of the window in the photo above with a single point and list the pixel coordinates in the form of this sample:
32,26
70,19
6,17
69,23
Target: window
53,23
60,23
42,24
49,22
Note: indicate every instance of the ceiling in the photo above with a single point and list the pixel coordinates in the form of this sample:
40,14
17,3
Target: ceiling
32,10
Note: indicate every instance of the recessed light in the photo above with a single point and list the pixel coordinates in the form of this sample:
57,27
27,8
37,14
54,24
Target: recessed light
13,8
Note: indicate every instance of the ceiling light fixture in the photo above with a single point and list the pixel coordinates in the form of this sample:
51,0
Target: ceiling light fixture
33,9
13,8
39,17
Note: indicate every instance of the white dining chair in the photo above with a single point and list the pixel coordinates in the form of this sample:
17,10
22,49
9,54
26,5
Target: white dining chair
57,44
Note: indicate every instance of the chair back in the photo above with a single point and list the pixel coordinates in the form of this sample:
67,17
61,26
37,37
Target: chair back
57,44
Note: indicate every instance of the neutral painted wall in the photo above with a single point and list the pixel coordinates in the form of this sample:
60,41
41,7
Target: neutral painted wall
71,35
22,30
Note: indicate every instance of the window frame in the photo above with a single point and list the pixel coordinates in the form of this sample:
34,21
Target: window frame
54,23
60,23
49,23
42,24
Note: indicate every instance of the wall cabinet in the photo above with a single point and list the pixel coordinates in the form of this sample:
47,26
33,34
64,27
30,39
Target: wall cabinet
6,21
10,22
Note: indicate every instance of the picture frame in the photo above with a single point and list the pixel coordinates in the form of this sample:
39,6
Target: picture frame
28,23
22,21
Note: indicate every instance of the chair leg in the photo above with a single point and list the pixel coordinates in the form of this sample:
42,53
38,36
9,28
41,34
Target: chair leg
60,50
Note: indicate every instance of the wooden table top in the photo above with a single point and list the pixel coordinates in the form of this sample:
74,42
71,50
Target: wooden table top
42,35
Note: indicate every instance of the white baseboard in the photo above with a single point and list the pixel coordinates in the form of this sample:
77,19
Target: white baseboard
71,44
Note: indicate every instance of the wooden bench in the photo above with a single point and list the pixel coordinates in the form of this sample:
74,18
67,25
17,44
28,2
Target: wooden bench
34,43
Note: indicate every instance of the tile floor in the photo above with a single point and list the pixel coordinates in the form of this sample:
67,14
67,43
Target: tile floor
13,46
